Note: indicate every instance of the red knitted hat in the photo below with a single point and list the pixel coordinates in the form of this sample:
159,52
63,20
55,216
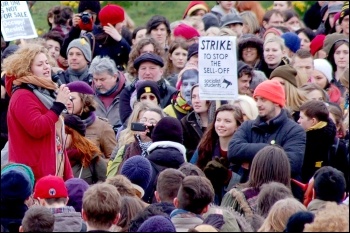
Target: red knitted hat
195,5
271,90
185,31
50,187
317,44
112,14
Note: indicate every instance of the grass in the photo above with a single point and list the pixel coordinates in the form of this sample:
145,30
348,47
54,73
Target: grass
140,12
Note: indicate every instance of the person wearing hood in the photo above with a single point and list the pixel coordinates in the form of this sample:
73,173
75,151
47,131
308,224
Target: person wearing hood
250,50
84,156
181,103
98,129
223,8
166,151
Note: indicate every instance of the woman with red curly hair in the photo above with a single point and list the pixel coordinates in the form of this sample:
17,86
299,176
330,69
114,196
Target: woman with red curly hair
84,155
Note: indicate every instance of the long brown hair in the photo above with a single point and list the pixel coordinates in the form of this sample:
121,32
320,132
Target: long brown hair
210,137
169,67
270,164
87,149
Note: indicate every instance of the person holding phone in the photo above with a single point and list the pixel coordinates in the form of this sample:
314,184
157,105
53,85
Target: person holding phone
142,133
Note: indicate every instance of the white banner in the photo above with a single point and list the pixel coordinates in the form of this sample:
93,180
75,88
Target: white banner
16,21
217,64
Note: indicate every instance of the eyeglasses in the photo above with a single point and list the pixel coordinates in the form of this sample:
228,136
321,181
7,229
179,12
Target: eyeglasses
150,121
249,49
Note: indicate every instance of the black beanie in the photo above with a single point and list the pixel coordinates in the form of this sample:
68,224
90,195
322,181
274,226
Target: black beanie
94,6
192,50
168,129
147,87
297,221
75,122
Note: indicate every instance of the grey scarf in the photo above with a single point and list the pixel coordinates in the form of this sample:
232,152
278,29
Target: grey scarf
144,145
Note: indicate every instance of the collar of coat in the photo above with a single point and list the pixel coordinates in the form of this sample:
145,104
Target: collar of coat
166,144
319,125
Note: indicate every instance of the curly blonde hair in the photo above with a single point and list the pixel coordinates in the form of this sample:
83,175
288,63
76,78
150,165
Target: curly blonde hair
136,52
19,64
332,218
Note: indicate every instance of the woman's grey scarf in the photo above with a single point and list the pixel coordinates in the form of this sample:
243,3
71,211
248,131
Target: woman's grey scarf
144,145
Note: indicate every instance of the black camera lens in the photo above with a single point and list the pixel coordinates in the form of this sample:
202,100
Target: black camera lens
85,18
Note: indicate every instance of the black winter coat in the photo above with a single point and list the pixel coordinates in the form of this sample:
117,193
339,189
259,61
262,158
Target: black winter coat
254,135
163,155
192,134
317,150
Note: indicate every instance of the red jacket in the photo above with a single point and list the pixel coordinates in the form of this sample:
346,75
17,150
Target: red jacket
32,137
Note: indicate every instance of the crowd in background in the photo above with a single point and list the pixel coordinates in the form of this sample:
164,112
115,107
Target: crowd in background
103,127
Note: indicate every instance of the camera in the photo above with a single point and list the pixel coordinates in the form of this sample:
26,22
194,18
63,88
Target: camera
85,17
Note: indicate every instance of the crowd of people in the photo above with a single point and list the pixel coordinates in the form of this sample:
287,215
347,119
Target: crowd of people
103,127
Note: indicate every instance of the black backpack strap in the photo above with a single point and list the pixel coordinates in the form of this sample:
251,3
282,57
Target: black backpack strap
92,167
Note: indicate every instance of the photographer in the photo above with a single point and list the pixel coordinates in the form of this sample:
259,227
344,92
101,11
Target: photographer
87,10
105,39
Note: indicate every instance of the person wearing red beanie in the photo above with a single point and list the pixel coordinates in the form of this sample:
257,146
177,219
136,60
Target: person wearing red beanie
190,34
316,45
273,126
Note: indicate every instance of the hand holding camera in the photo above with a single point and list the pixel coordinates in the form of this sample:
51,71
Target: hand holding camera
145,129
83,20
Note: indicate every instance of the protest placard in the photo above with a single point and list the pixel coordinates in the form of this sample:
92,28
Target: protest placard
16,21
217,64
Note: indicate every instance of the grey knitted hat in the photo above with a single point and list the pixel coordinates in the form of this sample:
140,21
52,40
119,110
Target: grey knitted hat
83,45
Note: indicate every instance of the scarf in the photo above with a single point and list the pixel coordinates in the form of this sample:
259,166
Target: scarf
319,125
81,75
181,104
11,81
88,119
144,146
108,93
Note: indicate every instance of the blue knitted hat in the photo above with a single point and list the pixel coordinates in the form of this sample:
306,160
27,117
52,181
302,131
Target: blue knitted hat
17,182
157,224
138,170
292,41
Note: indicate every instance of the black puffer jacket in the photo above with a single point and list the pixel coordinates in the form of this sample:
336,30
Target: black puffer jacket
163,155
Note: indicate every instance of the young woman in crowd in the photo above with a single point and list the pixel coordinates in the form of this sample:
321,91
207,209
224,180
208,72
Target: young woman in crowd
176,61
274,55
314,92
35,124
251,51
146,45
322,76
306,35
291,20
196,122
84,156
98,130
214,144
139,140
338,56
125,137
269,164
336,114
286,75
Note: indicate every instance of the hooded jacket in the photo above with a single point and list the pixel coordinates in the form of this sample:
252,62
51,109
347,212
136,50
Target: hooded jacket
219,12
163,155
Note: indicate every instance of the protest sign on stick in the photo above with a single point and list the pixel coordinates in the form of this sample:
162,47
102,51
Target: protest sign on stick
217,64
16,21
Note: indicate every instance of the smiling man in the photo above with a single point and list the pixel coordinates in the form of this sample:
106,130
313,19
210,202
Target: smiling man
272,126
